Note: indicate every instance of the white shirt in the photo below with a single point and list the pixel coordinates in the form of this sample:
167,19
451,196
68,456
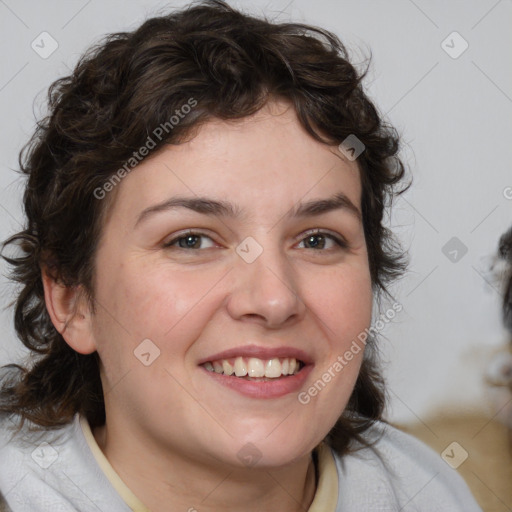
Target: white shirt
65,471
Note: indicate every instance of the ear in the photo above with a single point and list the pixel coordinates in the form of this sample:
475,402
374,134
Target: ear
70,313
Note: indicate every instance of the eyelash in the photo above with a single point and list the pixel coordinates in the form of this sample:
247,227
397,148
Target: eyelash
340,242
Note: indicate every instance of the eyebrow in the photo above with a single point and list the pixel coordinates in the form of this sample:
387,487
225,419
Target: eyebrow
208,206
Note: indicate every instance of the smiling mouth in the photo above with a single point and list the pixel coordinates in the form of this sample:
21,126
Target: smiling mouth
253,368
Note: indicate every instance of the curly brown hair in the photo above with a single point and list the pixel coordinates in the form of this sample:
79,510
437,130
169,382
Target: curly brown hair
231,64
505,253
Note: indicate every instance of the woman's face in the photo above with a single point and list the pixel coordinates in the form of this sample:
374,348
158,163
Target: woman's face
250,289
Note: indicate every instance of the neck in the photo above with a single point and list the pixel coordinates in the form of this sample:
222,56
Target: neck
175,482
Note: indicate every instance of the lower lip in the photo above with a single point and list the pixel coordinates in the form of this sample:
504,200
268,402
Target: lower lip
274,388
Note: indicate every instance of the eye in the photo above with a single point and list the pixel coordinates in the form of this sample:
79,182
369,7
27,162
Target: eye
315,239
189,240
318,239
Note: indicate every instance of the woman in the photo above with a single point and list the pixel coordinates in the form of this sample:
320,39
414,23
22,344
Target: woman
204,243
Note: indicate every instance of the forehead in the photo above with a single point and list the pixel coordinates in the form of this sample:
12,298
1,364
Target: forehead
265,164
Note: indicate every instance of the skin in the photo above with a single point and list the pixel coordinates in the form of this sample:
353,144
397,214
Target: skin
171,417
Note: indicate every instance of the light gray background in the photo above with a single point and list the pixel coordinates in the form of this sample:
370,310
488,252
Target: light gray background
455,116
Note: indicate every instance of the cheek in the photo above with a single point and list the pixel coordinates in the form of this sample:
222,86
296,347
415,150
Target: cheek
342,300
343,305
136,302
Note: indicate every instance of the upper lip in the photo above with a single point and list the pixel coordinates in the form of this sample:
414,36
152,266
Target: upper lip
259,352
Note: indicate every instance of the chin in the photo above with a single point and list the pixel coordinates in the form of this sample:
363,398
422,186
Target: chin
266,449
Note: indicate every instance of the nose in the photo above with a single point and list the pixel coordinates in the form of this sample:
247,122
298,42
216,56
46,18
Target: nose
265,291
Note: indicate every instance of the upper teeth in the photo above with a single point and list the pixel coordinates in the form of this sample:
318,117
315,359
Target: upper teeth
254,367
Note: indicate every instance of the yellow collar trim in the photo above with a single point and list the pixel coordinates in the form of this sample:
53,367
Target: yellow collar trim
122,489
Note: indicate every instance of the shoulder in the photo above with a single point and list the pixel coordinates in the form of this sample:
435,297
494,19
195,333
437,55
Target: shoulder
26,471
400,471
51,470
